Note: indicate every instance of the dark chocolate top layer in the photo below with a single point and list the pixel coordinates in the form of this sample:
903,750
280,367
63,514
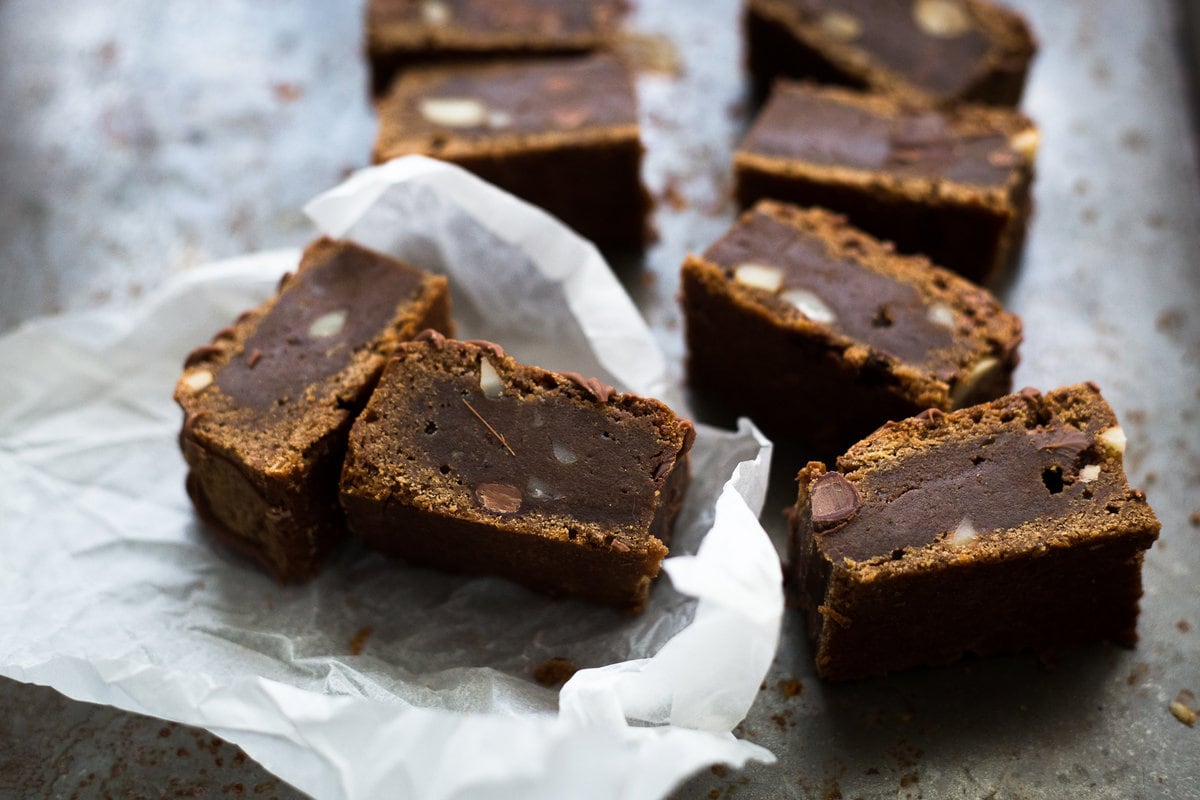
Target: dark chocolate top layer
868,307
815,127
994,481
478,102
543,19
327,310
538,451
934,44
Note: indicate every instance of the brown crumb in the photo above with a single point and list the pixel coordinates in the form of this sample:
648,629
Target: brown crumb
1182,626
1137,673
286,92
672,195
1184,707
554,671
359,640
1194,519
720,770
792,687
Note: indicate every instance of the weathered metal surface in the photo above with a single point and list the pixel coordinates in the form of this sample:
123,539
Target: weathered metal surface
142,137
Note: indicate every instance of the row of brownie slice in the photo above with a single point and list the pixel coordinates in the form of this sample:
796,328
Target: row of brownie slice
339,406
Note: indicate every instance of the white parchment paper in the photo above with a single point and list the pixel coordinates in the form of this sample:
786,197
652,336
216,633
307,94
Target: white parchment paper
376,679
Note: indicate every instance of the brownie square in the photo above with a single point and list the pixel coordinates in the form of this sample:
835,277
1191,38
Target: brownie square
268,404
401,33
467,461
953,185
998,528
821,333
927,52
560,133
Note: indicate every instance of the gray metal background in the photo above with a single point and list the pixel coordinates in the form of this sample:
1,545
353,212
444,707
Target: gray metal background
142,137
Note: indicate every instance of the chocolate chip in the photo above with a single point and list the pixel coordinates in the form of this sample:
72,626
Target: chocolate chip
202,353
601,391
834,500
499,497
1068,441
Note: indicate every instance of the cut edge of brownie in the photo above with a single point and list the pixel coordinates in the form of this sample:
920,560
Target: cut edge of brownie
1115,538
275,480
998,79
456,528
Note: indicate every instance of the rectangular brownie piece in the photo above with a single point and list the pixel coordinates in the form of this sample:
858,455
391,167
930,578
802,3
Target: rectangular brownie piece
931,52
560,133
401,33
467,461
994,529
269,403
953,185
821,333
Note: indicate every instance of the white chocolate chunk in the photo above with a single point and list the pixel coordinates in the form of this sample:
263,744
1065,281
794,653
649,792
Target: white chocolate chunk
1026,142
1089,473
1114,439
434,12
327,325
978,373
499,119
454,112
941,314
564,454
540,490
759,276
810,305
489,379
942,19
841,26
965,533
198,380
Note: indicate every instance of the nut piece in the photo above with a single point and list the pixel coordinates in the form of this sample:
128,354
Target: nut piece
434,12
1026,142
540,490
1114,439
840,25
327,325
964,534
564,454
454,112
500,498
489,379
833,500
941,314
758,276
981,372
1089,473
1182,709
810,305
942,19
198,380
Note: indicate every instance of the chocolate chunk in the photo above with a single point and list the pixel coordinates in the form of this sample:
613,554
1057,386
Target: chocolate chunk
834,500
499,497
601,391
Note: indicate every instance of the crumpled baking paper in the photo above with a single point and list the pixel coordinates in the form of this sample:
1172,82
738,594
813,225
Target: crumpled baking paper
376,679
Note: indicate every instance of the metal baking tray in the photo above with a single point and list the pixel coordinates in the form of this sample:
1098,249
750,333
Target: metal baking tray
143,138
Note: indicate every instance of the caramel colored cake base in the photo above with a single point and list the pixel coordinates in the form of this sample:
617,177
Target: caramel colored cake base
467,461
999,528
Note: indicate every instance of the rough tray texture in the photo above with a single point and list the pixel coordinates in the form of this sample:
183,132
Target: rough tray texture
561,133
268,405
922,51
467,461
821,333
953,185
401,33
998,528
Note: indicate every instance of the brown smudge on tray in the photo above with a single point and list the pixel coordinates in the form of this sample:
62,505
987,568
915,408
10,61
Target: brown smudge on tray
554,671
791,687
359,640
